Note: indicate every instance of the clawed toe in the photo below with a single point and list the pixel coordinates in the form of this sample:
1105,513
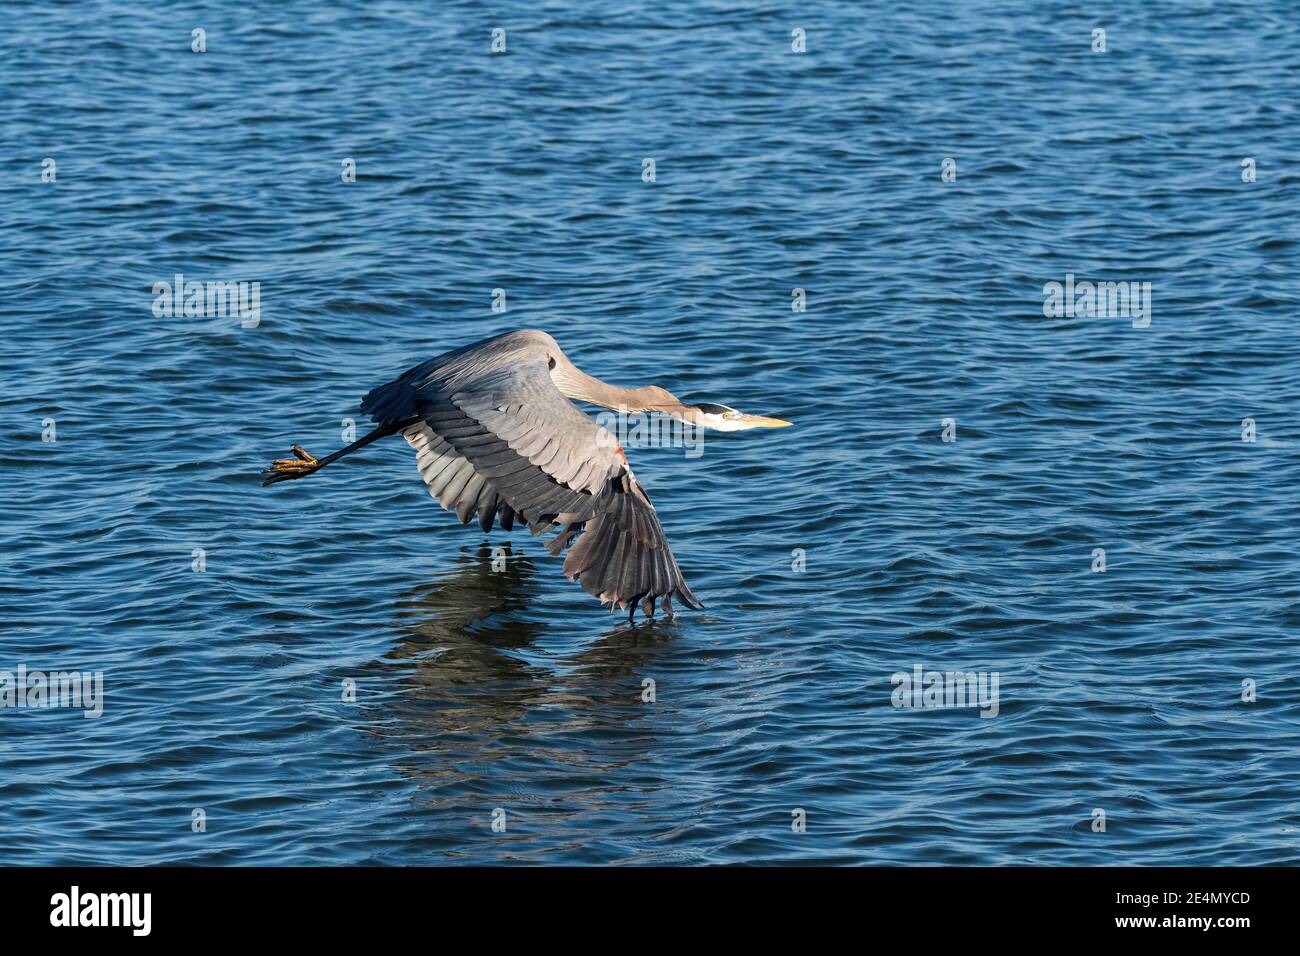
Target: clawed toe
283,469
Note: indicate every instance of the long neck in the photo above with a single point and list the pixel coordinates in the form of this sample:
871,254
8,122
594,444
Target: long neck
575,383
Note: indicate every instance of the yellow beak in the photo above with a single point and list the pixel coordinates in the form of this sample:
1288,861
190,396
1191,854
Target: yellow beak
759,421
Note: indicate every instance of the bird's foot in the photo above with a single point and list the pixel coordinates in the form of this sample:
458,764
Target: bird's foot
285,469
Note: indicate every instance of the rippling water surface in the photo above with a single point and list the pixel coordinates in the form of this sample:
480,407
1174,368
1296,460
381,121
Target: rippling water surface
1120,690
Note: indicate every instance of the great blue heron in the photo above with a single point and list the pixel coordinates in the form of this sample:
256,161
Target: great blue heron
495,434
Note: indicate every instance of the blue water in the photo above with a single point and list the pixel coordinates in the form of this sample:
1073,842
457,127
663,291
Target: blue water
1120,691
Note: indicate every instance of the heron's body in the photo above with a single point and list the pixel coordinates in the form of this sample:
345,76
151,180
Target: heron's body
497,440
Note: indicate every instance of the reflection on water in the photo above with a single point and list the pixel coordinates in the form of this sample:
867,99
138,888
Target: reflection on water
476,690
472,609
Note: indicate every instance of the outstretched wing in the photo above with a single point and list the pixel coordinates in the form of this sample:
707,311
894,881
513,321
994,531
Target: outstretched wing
496,436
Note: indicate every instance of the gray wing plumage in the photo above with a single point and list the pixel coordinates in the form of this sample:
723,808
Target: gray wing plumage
453,481
495,436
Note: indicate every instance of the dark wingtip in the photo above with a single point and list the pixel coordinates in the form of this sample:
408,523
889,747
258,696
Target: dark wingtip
687,597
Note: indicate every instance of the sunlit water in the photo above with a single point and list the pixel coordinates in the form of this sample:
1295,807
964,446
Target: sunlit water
1120,691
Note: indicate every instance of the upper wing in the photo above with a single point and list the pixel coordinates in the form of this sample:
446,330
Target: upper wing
500,437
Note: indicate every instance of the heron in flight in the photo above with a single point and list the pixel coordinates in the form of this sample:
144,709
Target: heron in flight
496,436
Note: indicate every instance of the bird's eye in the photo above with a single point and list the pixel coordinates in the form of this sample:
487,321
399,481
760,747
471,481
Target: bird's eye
728,414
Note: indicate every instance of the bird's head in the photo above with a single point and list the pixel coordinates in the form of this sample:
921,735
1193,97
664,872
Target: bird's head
724,418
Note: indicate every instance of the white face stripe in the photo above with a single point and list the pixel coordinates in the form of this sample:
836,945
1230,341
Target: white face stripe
718,423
